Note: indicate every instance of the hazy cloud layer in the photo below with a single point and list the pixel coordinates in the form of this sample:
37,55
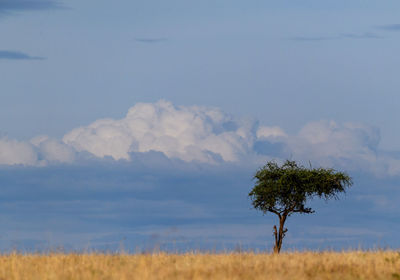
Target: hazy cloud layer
206,135
366,35
390,27
312,38
175,205
150,40
15,55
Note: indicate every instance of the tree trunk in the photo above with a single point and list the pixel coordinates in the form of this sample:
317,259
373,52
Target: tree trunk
279,235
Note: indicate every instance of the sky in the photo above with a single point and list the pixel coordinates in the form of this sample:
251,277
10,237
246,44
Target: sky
140,124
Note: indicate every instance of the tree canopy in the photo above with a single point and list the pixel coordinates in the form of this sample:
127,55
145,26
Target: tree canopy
284,190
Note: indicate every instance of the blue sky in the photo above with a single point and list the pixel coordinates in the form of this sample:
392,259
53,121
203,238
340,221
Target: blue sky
144,122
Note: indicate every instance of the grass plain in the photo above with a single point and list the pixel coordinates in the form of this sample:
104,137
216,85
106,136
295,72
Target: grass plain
296,265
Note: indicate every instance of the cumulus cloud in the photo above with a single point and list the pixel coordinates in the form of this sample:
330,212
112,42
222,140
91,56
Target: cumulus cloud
15,152
211,136
352,146
188,133
52,150
327,139
206,135
40,151
270,132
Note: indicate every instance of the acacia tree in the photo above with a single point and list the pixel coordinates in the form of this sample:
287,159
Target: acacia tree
284,190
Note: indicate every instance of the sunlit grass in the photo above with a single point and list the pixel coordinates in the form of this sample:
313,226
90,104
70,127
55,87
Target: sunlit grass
305,265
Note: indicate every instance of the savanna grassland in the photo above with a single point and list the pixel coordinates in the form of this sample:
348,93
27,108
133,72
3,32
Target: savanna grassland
306,265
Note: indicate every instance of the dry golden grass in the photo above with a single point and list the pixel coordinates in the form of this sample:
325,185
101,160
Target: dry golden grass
308,265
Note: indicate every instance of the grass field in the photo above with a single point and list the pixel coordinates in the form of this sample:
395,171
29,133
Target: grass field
308,265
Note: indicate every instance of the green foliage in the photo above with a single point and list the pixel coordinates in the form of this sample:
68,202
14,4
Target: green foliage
285,189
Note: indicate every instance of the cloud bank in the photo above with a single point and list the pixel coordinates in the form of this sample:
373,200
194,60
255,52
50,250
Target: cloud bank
184,206
205,135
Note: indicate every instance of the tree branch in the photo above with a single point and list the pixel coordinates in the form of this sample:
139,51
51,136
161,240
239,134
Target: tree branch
275,211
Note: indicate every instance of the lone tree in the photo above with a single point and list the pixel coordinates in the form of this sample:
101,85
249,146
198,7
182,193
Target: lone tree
284,190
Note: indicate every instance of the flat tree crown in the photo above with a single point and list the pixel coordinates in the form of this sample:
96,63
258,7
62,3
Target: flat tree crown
285,189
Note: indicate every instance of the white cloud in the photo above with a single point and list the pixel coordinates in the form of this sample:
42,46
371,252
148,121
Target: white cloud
40,151
187,133
51,150
193,133
324,139
350,145
270,132
15,152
